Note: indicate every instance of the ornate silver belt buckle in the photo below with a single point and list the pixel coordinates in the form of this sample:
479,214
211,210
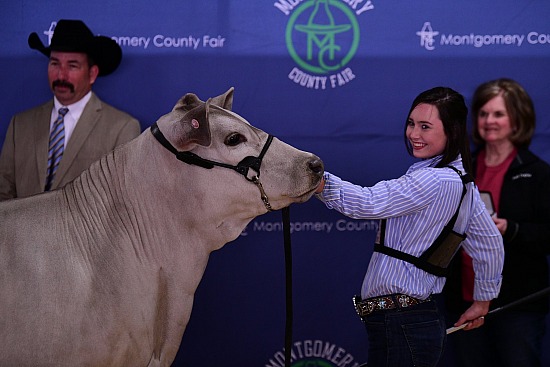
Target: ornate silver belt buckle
404,300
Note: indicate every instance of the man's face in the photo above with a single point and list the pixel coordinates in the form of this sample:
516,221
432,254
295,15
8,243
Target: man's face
70,76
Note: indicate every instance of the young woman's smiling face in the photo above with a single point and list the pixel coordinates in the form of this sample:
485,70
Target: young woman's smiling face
425,131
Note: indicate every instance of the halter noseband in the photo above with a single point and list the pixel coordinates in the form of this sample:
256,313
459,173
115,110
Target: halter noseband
242,167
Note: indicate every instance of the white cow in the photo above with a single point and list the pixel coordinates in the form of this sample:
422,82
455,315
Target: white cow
103,271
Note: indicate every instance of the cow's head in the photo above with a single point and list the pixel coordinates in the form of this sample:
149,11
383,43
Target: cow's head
209,132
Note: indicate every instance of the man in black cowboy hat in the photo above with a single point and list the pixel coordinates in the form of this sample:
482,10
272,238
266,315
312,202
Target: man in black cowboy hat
32,159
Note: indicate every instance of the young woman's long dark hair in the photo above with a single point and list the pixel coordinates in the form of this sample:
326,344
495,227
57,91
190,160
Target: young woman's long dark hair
453,113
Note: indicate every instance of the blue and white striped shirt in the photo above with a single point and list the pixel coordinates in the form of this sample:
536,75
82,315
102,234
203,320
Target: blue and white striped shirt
417,207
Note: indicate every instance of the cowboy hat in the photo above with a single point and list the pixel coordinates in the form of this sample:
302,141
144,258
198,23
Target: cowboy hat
75,36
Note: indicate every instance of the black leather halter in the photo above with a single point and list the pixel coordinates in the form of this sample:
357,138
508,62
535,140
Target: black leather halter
242,167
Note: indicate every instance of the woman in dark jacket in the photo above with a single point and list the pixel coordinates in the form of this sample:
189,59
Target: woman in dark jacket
517,183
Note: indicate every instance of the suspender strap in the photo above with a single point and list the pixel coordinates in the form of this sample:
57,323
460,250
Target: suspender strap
466,178
416,261
437,257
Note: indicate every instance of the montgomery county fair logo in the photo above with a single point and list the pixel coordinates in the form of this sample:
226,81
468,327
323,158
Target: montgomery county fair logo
322,37
427,35
315,353
429,38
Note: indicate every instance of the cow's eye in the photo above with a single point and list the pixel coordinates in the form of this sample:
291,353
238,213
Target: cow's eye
234,139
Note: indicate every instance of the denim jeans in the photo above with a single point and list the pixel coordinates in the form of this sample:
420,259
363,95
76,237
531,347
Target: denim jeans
414,336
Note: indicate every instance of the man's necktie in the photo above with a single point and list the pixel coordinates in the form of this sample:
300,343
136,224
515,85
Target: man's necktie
56,147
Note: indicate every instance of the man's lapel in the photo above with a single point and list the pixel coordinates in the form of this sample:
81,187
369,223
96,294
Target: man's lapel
40,140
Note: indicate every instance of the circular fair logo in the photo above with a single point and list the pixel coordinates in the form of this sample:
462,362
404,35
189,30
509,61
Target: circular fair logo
314,353
322,36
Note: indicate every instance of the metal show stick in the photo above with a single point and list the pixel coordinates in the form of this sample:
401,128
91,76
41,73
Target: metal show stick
508,306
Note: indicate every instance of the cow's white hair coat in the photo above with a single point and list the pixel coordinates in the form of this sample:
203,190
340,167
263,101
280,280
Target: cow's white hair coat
103,271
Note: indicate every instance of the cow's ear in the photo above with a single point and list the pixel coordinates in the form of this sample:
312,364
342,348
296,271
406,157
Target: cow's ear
193,128
225,100
187,102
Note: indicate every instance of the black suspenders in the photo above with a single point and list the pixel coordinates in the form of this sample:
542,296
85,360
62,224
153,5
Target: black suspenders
437,257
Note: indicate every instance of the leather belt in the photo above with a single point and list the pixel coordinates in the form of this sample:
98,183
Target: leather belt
388,302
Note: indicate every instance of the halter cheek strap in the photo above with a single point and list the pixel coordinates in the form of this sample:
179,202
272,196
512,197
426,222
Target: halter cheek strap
242,167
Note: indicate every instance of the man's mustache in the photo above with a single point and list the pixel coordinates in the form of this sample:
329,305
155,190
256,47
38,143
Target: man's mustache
62,83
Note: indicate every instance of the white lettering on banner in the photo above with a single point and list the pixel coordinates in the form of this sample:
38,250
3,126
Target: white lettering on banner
427,39
187,42
213,42
294,227
368,6
478,40
315,349
354,3
341,78
538,38
132,41
313,81
341,225
162,41
286,6
307,80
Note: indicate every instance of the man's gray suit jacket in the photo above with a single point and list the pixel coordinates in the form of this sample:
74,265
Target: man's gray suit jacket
24,157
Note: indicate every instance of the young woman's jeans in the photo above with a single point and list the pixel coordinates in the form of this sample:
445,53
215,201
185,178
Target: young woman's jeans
414,336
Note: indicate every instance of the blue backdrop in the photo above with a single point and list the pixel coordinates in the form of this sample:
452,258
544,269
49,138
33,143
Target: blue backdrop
343,94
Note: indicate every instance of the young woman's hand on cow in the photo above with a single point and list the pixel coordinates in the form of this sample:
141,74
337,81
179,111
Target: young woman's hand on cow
321,186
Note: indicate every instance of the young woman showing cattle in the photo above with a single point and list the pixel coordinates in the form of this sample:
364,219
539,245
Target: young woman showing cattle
426,216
